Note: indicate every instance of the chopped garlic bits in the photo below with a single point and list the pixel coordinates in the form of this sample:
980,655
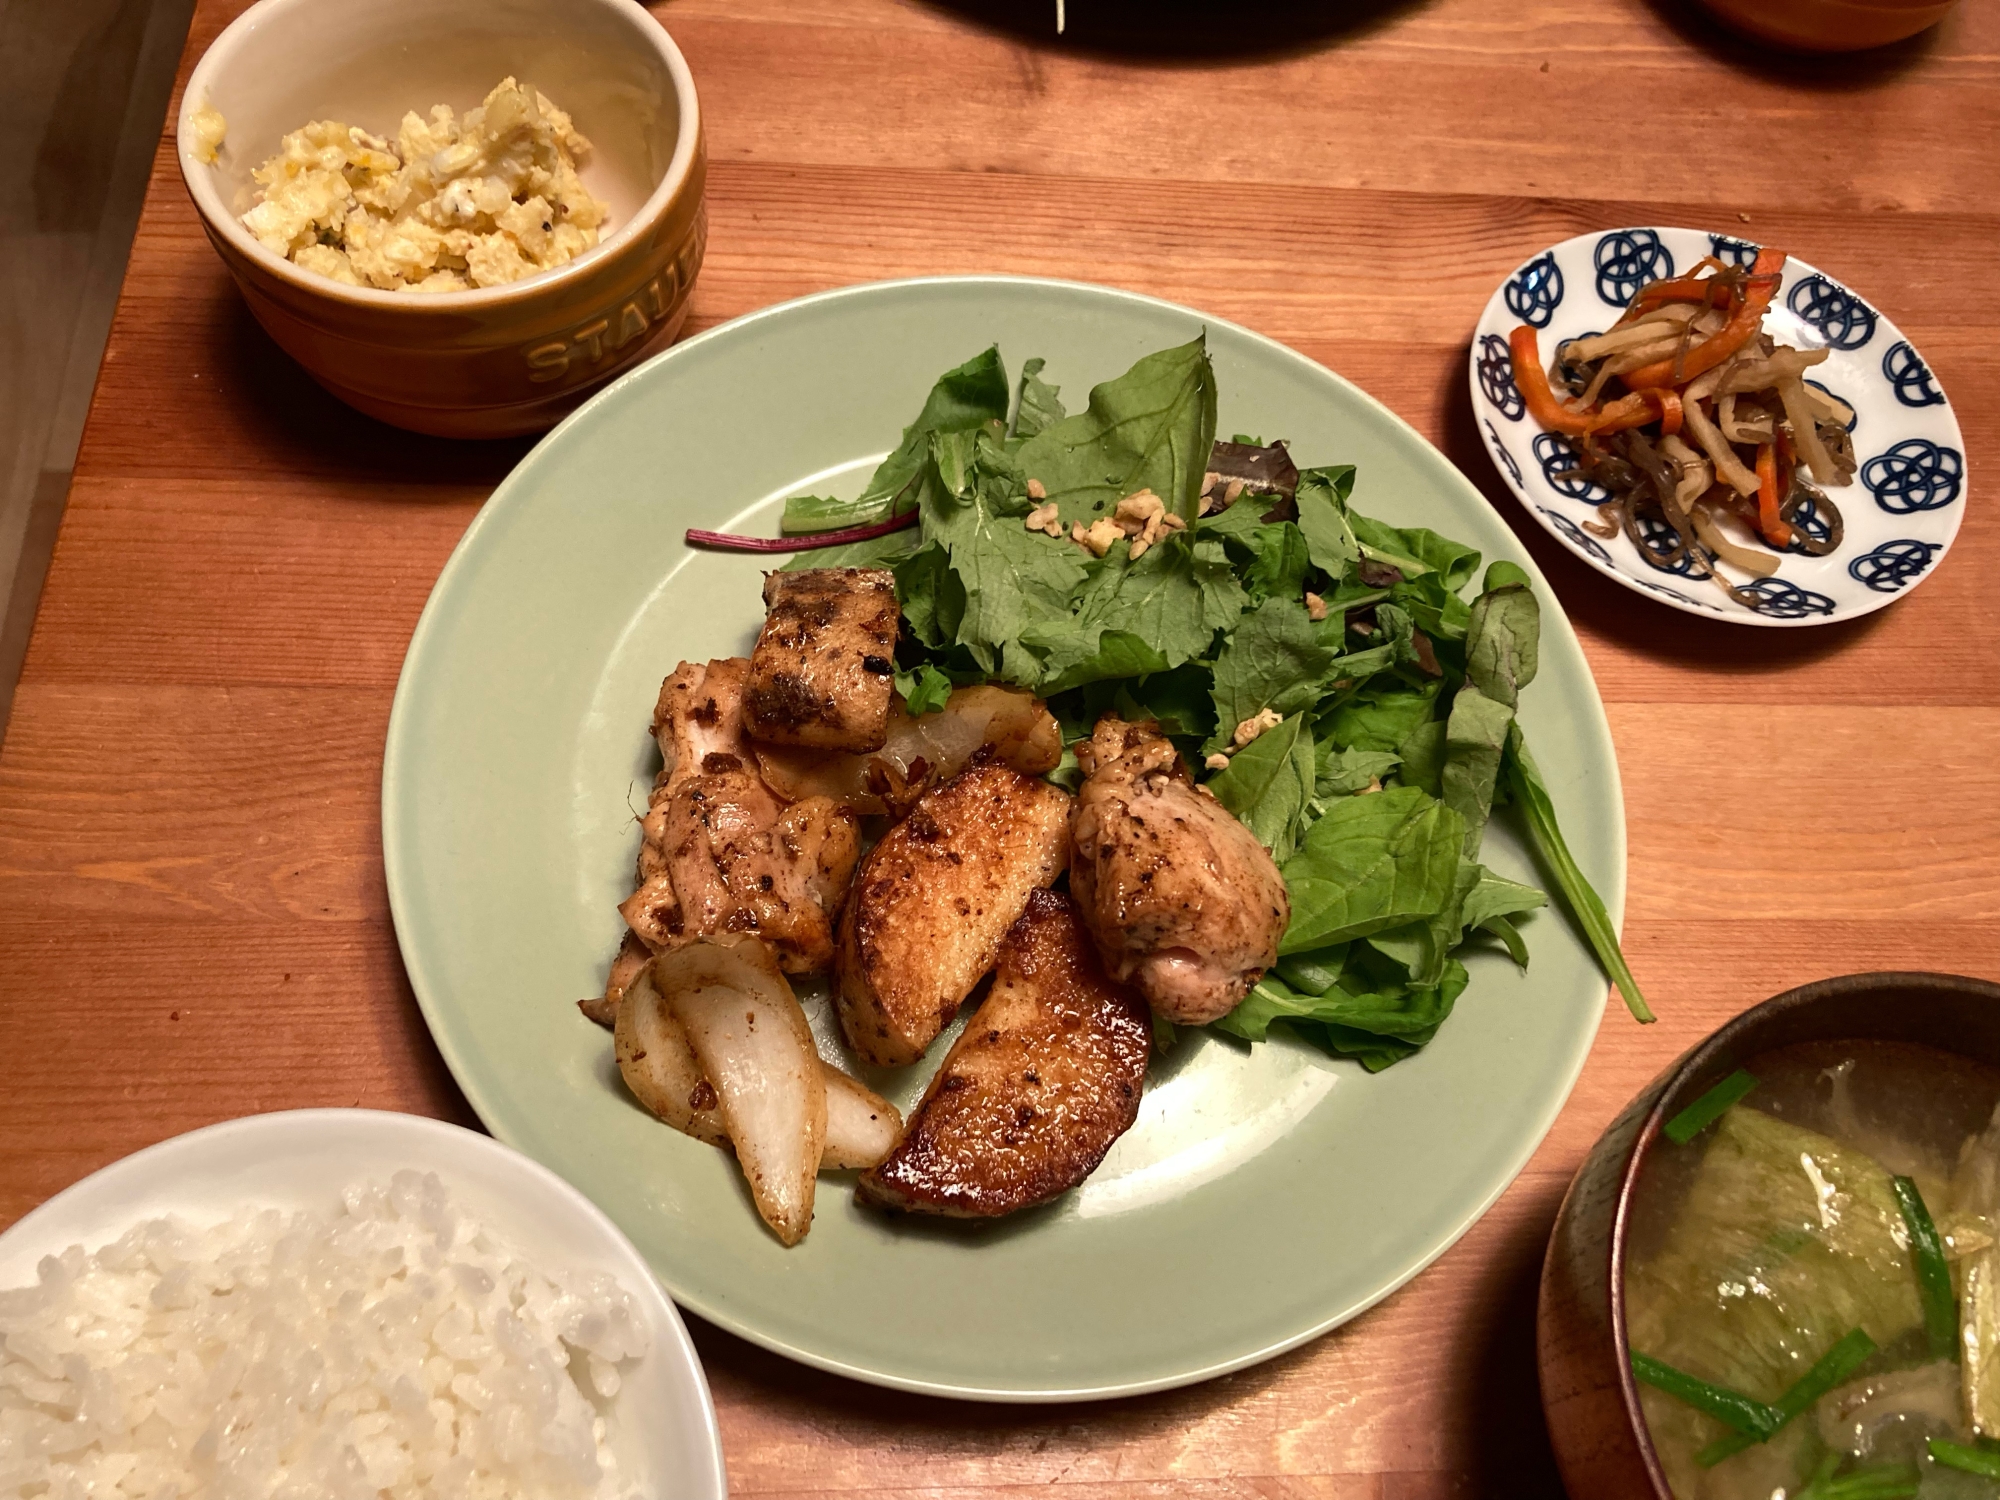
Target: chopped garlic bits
1142,518
1250,728
452,204
1044,518
209,128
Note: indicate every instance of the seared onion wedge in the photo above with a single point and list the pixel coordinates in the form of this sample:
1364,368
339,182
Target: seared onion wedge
922,752
755,1048
658,1065
862,1127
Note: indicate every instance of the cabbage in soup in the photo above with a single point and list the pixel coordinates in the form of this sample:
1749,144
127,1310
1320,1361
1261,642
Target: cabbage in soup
1812,1280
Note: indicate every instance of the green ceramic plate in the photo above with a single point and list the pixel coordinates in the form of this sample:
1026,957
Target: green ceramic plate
1263,1196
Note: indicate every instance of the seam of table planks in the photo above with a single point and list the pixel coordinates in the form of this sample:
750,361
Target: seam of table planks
194,923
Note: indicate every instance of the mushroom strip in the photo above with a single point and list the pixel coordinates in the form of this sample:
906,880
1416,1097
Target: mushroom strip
1728,467
1805,431
1758,564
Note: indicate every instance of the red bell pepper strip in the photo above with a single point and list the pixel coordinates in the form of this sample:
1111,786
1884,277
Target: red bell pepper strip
1532,381
1670,411
1742,326
1776,532
1636,410
1691,287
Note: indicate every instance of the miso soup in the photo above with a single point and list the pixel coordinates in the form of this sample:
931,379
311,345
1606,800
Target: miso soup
1812,1280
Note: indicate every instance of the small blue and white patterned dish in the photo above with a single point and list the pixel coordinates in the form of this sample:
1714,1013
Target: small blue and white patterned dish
1901,510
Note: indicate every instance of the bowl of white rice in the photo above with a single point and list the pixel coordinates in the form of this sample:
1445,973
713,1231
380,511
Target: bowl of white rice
341,1303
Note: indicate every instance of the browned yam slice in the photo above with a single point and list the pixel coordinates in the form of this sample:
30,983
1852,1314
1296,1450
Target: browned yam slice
825,664
933,900
1045,1077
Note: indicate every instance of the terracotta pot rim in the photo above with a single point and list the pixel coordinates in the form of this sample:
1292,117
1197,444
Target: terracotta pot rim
1722,1042
673,182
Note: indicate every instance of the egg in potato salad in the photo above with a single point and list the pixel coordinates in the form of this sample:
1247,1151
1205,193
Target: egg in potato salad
452,204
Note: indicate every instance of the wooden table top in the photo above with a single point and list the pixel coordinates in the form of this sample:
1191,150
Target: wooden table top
194,923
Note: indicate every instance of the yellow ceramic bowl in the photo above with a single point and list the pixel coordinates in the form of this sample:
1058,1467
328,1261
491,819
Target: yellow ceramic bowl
499,360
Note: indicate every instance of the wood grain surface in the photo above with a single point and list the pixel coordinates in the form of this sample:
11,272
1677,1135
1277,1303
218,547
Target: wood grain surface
192,916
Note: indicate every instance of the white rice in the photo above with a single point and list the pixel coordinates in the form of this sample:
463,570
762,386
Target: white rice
394,1349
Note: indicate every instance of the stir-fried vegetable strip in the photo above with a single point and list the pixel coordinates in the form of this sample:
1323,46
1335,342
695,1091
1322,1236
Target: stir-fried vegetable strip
1689,357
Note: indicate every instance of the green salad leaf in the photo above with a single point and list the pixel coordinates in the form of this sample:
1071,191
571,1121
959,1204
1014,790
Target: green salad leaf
1274,661
1372,862
1331,678
1150,429
1039,407
1269,785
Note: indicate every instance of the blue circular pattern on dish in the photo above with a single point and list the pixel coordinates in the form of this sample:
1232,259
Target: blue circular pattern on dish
1728,248
1626,260
1916,474
1853,411
1535,294
1660,539
1786,601
1808,520
1676,594
1500,452
1575,535
1496,377
1909,377
1842,319
1893,564
1557,458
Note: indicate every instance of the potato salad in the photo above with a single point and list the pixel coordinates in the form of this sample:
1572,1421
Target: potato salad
452,204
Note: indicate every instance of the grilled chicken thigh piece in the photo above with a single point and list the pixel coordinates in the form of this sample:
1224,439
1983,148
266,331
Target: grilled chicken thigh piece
933,900
1183,901
720,852
825,664
732,861
1046,1075
699,716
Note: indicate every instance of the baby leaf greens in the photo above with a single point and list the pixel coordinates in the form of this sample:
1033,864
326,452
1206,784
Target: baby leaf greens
1323,671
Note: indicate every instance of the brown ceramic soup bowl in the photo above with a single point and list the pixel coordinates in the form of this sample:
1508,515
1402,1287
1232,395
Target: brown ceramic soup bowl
1830,25
496,360
1589,1396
